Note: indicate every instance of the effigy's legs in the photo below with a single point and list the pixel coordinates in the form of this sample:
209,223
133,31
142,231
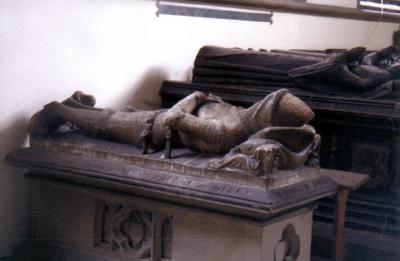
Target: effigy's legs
128,127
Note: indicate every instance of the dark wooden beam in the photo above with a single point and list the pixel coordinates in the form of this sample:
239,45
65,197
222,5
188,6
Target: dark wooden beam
302,8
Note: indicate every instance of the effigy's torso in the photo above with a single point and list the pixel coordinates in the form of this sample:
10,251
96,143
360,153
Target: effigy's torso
230,118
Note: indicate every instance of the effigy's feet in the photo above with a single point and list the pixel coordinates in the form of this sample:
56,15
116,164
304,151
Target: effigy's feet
80,100
45,121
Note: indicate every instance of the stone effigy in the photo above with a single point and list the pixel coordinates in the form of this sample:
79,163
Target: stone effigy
102,197
354,72
267,136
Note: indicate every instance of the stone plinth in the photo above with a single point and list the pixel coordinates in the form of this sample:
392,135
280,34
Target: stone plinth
99,200
95,223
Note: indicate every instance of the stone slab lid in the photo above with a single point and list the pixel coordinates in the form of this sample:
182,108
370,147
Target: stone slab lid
183,179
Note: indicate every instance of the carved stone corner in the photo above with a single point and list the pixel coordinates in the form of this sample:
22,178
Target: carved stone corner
132,232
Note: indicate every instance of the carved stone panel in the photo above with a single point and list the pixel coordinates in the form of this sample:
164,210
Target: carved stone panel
133,232
288,247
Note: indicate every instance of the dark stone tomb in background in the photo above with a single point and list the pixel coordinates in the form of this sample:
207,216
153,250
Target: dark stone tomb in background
358,135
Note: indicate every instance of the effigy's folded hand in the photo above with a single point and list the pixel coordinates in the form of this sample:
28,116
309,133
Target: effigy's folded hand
187,105
213,98
172,116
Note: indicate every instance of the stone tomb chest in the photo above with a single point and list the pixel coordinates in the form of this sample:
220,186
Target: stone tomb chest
99,200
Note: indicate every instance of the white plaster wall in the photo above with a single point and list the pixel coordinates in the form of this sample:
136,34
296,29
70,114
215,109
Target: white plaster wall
118,50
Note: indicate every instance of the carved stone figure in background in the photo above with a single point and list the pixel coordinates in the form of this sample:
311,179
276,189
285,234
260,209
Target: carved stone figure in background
354,72
201,122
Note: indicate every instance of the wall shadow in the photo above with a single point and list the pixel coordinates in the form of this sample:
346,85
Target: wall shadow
145,92
14,189
13,136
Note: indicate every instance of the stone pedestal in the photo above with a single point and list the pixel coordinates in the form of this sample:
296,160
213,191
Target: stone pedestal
73,222
99,200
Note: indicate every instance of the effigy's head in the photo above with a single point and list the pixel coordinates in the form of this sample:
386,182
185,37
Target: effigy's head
281,108
291,111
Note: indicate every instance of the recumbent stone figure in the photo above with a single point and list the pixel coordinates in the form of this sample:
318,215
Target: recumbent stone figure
271,134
